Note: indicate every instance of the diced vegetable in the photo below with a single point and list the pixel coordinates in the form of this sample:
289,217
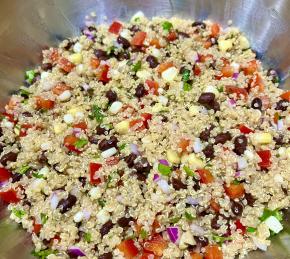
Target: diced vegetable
195,255
265,156
88,237
122,127
143,234
244,129
240,92
164,66
188,171
169,74
103,73
173,156
257,81
4,175
43,254
18,213
94,168
36,228
286,96
187,87
205,176
9,196
213,252
128,248
267,213
97,114
188,216
75,252
29,75
227,71
95,63
183,144
240,226
215,206
66,65
215,30
153,86
225,45
156,245
138,38
173,233
274,224
164,169
262,138
155,42
167,26
137,66
76,58
251,229
23,169
193,161
60,88
235,190
80,143
44,218
172,36
115,28
42,103
251,68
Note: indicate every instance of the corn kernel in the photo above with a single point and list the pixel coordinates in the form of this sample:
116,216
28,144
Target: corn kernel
122,127
74,111
225,45
186,239
58,128
76,58
173,156
262,138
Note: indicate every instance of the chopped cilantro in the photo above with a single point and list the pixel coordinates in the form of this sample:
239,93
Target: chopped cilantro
187,87
23,169
174,220
37,175
164,169
143,234
220,89
251,229
167,26
236,182
18,213
97,114
122,146
219,239
42,254
102,203
137,66
188,216
188,171
88,237
81,143
185,75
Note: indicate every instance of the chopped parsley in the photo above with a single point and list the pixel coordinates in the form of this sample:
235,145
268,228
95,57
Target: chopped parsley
164,169
122,146
88,237
188,216
97,114
29,75
42,254
23,169
220,89
174,220
251,229
18,213
37,175
185,75
24,93
137,66
219,239
102,203
188,171
143,234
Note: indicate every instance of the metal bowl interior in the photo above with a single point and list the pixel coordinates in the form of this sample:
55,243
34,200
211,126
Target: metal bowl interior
28,26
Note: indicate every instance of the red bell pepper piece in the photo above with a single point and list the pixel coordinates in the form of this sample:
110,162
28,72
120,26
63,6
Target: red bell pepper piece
265,155
115,28
153,86
156,245
94,167
4,175
128,248
205,176
9,196
240,226
66,65
138,38
244,129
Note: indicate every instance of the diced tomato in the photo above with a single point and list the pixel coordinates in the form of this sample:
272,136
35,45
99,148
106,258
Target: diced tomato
205,176
10,117
146,117
215,206
66,65
213,252
129,110
95,63
42,103
155,42
115,28
235,190
24,128
94,168
4,175
137,122
81,125
195,255
240,226
103,73
244,129
69,142
207,44
9,196
204,58
265,155
183,144
155,226
60,88
276,117
54,55
286,96
215,30
227,71
36,228
257,81
113,160
156,245
147,255
225,61
172,36
231,89
138,38
128,248
153,86
196,70
164,66
251,68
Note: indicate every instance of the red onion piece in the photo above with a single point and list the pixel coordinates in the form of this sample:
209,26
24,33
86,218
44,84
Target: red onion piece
232,102
75,251
54,200
235,76
163,162
173,233
156,177
164,186
198,230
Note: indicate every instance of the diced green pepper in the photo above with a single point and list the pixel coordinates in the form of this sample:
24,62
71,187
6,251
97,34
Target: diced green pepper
143,234
43,218
185,75
81,143
187,87
167,26
18,213
23,169
188,171
29,75
164,169
188,216
251,229
88,237
37,175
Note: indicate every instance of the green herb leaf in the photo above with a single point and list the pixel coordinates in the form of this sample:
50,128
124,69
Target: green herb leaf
81,143
37,175
174,220
122,146
111,50
23,169
220,89
143,234
43,218
188,171
24,93
137,66
236,182
251,229
185,75
164,169
268,213
88,237
219,239
18,213
137,19
167,26
43,253
102,203
108,182
186,86
188,216
97,114
29,75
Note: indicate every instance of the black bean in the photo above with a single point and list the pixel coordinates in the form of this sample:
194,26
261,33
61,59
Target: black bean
83,181
9,157
93,140
134,28
1,145
250,199
164,118
282,105
257,103
124,42
214,222
101,130
279,141
205,134
240,143
140,91
196,186
108,255
16,177
142,166
108,143
199,24
1,132
124,222
112,96
182,70
222,138
101,54
284,190
130,160
123,55
66,204
27,114
201,241
208,151
208,101
183,34
178,184
153,62
237,208
216,106
105,229
68,45
46,66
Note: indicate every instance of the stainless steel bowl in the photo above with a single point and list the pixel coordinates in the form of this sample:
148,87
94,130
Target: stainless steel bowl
28,26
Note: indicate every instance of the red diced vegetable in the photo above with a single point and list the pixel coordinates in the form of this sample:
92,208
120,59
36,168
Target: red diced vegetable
128,248
66,65
94,168
195,255
205,176
4,175
69,142
104,69
9,116
231,89
156,245
60,88
115,28
146,117
81,125
153,86
172,36
36,228
9,196
155,42
114,160
257,81
240,226
137,122
251,68
215,30
183,144
138,38
265,155
215,206
95,63
286,96
213,252
227,71
24,128
235,190
196,70
244,129
42,103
